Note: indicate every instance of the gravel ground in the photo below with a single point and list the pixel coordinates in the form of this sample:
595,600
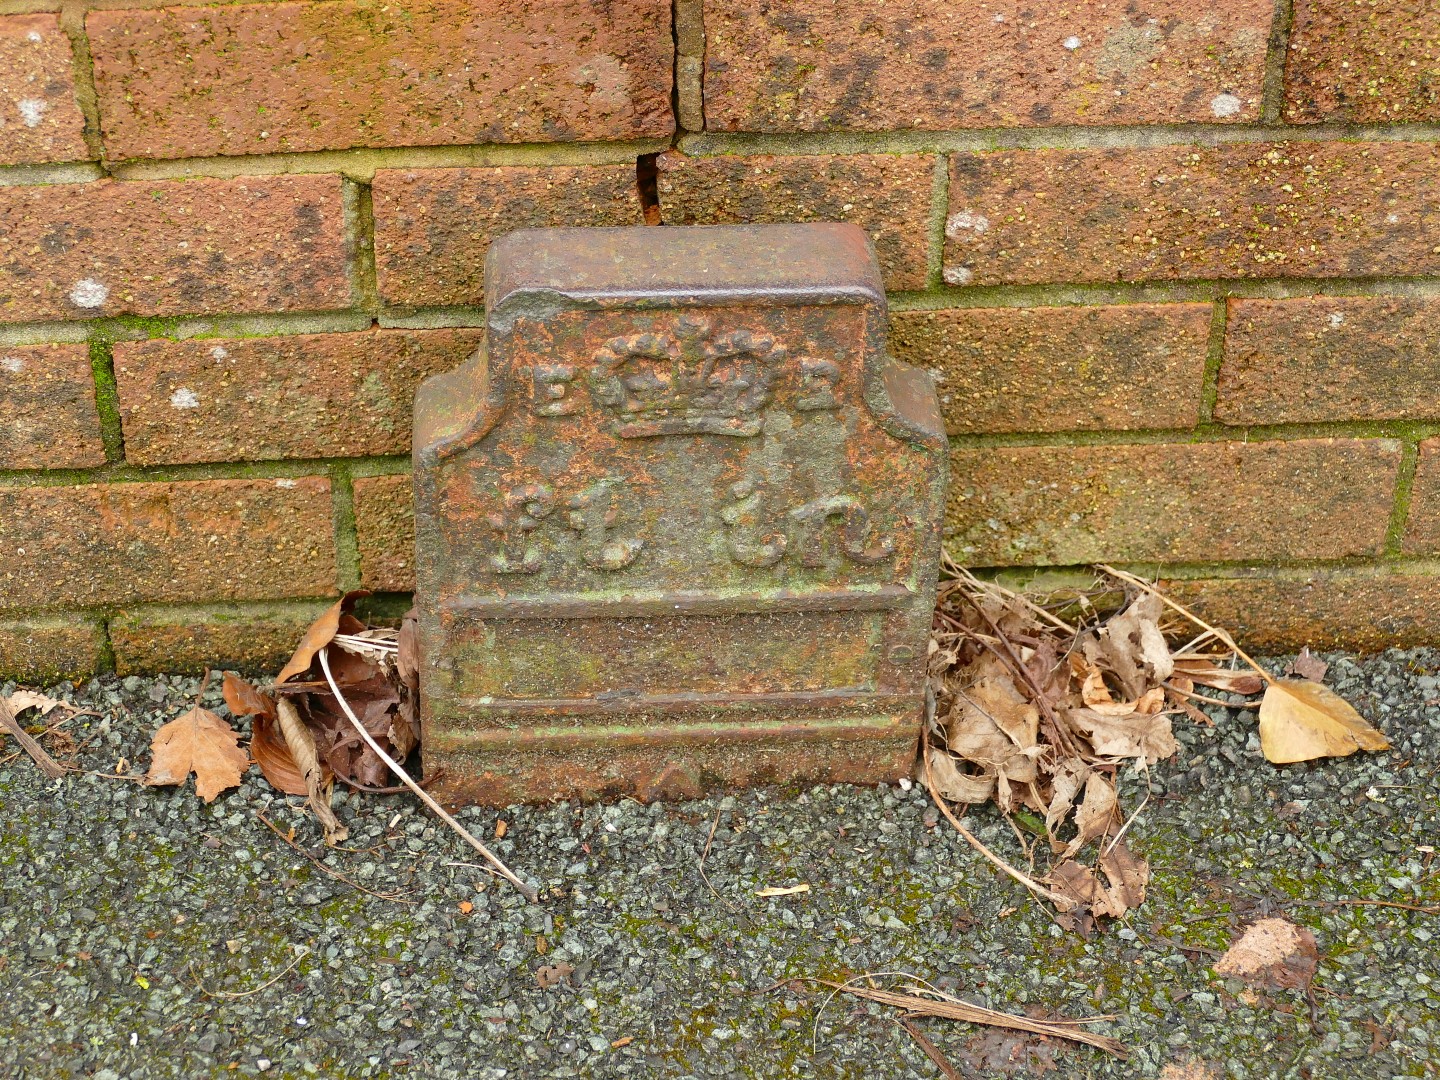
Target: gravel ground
145,934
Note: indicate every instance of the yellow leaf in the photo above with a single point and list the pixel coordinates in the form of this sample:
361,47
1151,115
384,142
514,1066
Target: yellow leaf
1301,720
791,891
142,982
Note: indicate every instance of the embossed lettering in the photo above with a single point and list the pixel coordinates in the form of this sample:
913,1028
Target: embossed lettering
817,386
592,515
524,510
551,390
854,534
743,530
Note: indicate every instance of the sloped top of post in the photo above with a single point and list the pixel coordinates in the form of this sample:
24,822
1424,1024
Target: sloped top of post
665,266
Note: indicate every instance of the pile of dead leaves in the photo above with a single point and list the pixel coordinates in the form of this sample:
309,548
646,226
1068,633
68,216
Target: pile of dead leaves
1039,714
301,737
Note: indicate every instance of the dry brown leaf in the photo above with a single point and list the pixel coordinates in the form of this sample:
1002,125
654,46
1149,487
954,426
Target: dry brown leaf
1095,815
1273,953
29,699
1122,737
553,974
335,619
242,699
1308,666
268,747
957,786
1202,671
1126,876
301,744
202,743
1301,720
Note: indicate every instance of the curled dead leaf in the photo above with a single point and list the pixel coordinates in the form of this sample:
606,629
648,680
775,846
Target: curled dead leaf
552,974
1124,737
242,699
335,619
1302,720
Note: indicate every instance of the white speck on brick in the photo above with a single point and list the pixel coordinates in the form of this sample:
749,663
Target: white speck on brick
958,275
1392,219
218,353
999,18
1335,319
33,35
12,363
965,219
1072,43
285,483
185,398
1225,105
88,293
32,110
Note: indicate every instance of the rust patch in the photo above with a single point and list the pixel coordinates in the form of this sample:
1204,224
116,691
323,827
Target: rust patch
677,522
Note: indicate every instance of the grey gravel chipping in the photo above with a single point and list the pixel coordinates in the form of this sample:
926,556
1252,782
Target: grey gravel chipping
146,934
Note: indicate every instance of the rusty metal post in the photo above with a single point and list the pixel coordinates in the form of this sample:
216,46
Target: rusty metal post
677,522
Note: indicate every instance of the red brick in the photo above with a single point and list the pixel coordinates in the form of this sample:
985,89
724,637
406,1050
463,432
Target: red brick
256,638
1324,609
50,416
1205,502
261,243
40,120
810,65
385,528
1060,368
1422,530
433,226
214,540
1330,358
1342,209
252,399
276,78
45,649
1371,62
888,195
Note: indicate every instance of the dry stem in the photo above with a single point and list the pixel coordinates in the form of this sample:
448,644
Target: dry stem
525,890
48,765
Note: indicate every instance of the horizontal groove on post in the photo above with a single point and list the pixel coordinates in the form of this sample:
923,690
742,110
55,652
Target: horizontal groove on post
648,604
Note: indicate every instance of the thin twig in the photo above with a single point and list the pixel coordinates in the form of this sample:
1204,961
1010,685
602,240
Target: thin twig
1223,635
525,890
336,874
706,854
930,1050
954,1009
395,790
231,995
43,761
1210,700
1064,903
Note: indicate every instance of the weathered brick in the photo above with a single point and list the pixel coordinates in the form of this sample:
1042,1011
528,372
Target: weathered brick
1335,609
256,638
48,648
1330,358
1206,502
103,544
1422,530
252,399
433,226
1342,209
811,65
1371,62
40,120
385,528
50,417
260,243
1060,368
283,77
887,195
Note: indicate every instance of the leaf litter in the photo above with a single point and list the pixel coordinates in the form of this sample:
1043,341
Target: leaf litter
1039,716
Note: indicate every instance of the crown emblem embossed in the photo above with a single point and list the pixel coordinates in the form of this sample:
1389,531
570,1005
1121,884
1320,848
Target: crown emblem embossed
687,381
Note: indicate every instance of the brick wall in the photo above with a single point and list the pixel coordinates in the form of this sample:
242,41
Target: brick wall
1176,267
